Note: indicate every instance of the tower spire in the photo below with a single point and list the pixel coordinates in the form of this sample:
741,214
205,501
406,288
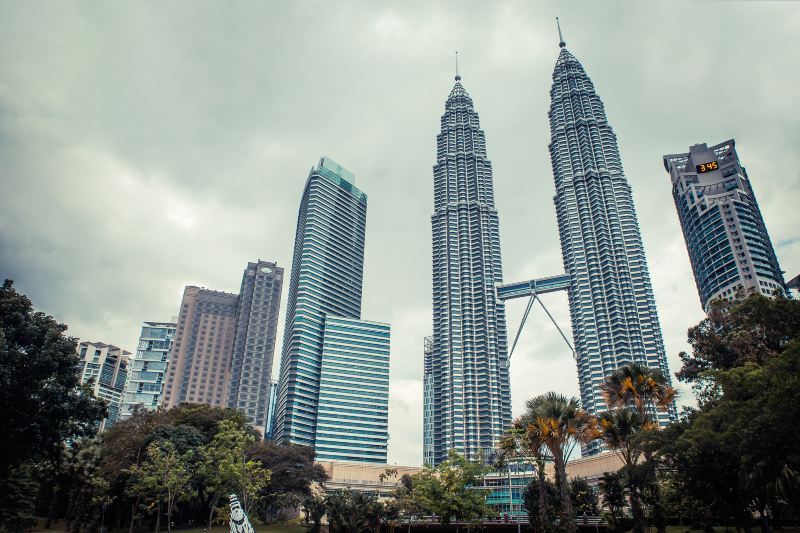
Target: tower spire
457,75
561,43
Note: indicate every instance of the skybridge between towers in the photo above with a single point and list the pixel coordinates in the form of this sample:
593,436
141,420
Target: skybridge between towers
532,288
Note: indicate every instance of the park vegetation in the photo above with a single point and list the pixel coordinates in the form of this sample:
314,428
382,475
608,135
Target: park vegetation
733,460
156,470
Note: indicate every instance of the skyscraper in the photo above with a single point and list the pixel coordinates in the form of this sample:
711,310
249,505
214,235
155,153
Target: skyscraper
147,369
105,368
613,311
199,371
325,292
725,234
254,345
353,406
470,392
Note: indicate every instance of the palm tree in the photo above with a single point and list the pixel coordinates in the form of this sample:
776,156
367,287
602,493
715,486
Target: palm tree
530,446
636,385
616,430
559,424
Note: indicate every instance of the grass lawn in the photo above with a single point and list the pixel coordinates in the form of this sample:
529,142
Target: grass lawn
258,528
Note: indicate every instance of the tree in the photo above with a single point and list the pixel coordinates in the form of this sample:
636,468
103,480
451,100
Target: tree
536,495
447,490
638,386
617,430
351,511
293,471
314,510
163,478
613,495
530,445
750,329
226,467
17,492
41,396
559,423
583,496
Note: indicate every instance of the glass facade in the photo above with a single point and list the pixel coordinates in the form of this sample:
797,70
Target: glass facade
470,397
352,417
326,279
148,368
725,234
613,310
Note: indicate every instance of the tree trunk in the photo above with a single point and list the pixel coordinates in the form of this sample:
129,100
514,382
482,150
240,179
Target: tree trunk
639,525
765,527
213,506
158,516
563,487
133,514
544,517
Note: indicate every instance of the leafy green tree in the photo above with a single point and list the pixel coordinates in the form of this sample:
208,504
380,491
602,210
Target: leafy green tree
613,495
226,467
314,511
750,329
163,478
41,397
536,495
293,471
638,387
351,511
559,423
583,496
17,492
447,490
529,444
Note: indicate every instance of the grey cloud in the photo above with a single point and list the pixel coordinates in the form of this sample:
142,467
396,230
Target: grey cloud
147,145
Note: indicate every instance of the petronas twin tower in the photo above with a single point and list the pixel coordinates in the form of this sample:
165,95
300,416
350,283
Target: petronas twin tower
614,319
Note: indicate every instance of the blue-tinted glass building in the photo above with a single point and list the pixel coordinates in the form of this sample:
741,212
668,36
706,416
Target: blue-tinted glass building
725,234
352,417
613,310
470,395
325,283
148,368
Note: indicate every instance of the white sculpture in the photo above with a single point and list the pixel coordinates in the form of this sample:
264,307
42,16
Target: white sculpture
239,521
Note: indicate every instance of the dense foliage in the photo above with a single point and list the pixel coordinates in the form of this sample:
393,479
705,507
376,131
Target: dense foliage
42,401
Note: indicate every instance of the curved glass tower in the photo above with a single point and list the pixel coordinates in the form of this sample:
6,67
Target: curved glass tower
326,278
726,237
614,318
467,370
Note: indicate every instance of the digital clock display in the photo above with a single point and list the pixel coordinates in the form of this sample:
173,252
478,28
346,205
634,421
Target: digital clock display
707,167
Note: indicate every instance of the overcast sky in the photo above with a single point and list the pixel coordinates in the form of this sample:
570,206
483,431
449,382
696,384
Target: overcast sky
145,146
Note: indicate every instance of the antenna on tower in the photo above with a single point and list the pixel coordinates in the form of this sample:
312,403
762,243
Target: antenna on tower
457,76
561,43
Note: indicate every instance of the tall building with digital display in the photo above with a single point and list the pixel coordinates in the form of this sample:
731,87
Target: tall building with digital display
613,311
470,397
725,234
254,345
327,346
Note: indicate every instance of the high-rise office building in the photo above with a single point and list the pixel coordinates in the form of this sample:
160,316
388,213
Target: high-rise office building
147,369
471,398
725,234
353,406
105,368
254,345
427,403
325,284
613,311
199,370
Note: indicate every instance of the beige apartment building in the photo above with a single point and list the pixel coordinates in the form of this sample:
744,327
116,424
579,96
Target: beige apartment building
199,370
